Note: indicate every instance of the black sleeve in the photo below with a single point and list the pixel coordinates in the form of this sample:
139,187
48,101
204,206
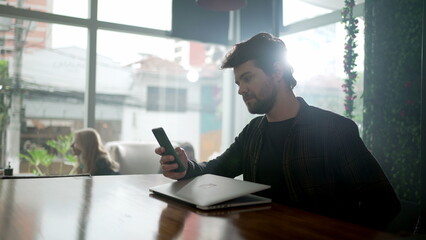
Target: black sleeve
365,180
228,164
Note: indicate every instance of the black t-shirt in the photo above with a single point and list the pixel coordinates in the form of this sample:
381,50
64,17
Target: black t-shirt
270,167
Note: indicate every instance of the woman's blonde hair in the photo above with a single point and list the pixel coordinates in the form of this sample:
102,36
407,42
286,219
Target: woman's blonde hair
90,144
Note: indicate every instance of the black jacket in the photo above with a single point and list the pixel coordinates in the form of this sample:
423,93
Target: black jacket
327,168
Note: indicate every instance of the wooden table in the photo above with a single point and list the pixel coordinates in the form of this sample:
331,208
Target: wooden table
121,207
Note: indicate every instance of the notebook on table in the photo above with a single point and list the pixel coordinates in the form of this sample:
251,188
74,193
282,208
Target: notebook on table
210,191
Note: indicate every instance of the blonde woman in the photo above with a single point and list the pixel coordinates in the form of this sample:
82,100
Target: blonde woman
91,155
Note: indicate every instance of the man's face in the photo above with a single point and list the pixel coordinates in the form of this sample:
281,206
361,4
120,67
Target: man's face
257,88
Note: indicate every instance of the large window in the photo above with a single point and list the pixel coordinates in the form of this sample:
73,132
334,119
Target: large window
74,8
123,74
144,79
318,67
144,13
298,10
43,88
317,55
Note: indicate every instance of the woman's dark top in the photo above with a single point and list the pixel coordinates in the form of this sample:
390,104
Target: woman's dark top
103,167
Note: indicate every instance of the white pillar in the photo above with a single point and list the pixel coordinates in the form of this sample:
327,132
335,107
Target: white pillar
13,133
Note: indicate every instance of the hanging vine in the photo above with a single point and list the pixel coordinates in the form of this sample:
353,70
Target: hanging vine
351,27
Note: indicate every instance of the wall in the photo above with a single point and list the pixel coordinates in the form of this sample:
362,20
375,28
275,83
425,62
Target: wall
393,35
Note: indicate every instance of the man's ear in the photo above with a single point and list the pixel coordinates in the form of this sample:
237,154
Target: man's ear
278,71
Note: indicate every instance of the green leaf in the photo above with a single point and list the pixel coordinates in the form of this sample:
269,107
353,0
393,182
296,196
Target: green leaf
62,144
38,155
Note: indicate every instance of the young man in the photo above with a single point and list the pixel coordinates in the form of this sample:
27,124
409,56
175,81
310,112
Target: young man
313,159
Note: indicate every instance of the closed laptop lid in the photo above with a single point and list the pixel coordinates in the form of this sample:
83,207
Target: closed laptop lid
208,189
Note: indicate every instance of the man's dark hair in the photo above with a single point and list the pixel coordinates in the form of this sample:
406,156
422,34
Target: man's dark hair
265,50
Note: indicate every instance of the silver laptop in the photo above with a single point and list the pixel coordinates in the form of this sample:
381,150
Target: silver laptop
212,192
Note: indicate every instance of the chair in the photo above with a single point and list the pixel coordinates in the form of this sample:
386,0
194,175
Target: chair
421,225
405,222
135,157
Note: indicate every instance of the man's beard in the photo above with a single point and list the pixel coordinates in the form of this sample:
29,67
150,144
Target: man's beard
264,105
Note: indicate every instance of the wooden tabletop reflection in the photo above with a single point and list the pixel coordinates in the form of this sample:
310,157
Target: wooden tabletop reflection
121,207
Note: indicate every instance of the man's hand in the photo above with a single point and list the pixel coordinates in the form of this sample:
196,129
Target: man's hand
168,167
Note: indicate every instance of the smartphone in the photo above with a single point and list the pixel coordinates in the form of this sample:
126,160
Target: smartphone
164,141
